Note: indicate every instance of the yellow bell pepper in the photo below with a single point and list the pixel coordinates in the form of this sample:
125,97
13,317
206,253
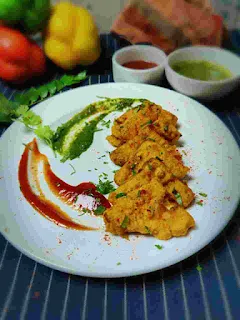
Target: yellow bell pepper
71,36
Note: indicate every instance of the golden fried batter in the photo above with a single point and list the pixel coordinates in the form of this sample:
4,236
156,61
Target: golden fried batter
135,121
141,210
150,150
151,197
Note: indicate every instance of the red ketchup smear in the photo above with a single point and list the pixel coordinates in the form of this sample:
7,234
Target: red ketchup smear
139,64
65,192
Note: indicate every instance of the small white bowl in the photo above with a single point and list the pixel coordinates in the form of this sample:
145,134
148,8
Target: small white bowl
139,52
199,88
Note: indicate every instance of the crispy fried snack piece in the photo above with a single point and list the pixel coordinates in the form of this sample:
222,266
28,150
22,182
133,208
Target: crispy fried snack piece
151,150
142,210
122,154
156,169
135,121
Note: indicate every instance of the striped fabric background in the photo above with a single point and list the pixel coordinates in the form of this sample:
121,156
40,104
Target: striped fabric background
29,290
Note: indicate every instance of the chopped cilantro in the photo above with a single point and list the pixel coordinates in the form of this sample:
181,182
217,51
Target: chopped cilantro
150,167
89,170
151,139
105,187
119,263
139,193
99,211
177,197
114,171
146,123
166,128
158,247
199,203
148,230
133,166
85,210
158,158
199,268
125,222
203,194
106,123
74,171
120,195
105,162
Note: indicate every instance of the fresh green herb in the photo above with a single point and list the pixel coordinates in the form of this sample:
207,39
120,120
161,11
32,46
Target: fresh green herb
137,109
114,171
125,222
177,197
105,162
133,166
120,195
158,247
85,210
184,152
158,158
74,170
105,187
99,211
199,268
119,263
151,139
146,123
150,167
95,168
45,133
106,123
89,170
200,203
203,194
166,128
139,193
148,230
34,95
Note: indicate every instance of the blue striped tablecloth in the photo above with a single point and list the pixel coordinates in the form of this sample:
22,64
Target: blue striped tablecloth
29,290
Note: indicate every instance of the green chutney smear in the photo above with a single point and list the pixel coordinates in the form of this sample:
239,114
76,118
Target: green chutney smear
201,70
76,135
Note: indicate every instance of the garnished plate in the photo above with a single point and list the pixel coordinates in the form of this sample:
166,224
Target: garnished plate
207,147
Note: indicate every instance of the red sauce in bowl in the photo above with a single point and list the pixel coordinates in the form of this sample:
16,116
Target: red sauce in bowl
139,64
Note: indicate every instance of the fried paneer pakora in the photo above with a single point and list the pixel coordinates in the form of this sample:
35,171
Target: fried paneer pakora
151,197
142,210
135,122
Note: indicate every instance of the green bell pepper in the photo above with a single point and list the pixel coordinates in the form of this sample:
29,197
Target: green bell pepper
31,15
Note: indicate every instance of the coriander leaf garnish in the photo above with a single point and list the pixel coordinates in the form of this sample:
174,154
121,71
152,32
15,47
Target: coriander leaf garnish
74,170
99,211
151,139
34,95
120,195
150,167
166,128
203,194
199,268
106,123
148,230
177,197
45,133
159,158
146,123
158,247
139,193
125,222
105,187
200,203
133,166
119,263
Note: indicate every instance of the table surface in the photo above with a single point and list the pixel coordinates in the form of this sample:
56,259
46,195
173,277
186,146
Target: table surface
29,290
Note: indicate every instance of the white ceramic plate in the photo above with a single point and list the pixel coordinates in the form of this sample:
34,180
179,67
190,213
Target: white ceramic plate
212,154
